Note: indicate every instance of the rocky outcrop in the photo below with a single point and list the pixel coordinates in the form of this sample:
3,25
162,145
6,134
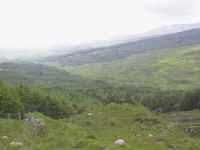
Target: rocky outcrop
14,143
38,126
4,137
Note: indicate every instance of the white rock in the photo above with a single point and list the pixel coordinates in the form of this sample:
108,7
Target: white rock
16,143
119,142
150,135
34,121
4,137
89,114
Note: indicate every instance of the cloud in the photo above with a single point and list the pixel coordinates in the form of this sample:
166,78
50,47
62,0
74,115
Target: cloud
173,8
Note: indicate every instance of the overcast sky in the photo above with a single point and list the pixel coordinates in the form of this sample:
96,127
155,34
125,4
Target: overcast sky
46,23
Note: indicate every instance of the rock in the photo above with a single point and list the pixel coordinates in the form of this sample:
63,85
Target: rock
119,142
4,137
150,135
35,122
159,140
38,126
89,114
138,135
16,143
189,130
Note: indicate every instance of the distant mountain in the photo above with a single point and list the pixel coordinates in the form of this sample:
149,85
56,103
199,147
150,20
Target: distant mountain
67,48
161,59
171,29
59,50
120,51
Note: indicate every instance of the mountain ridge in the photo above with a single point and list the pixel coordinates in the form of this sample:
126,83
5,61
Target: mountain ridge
120,51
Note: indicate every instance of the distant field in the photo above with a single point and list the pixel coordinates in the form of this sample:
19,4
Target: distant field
177,69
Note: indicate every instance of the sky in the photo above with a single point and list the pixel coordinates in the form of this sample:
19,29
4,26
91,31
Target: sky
42,24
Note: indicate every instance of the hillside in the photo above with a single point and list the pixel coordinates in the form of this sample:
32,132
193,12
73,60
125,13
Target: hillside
167,62
144,95
44,76
176,69
121,51
139,128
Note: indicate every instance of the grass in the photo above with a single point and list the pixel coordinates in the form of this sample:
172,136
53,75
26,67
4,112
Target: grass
99,130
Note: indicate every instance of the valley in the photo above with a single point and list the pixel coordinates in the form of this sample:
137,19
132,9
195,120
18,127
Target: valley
141,93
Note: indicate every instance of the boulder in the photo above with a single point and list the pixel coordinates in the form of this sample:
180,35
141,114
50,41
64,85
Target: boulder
38,126
4,137
16,143
159,140
119,142
150,135
34,121
89,114
138,135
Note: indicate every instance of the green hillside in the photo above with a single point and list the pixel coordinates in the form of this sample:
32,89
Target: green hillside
44,76
139,128
165,69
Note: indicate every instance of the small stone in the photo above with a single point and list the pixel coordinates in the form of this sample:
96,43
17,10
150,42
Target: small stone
119,142
16,143
138,135
159,140
4,137
89,114
150,135
38,126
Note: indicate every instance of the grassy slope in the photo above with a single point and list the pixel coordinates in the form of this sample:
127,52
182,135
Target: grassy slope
43,75
99,131
166,69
